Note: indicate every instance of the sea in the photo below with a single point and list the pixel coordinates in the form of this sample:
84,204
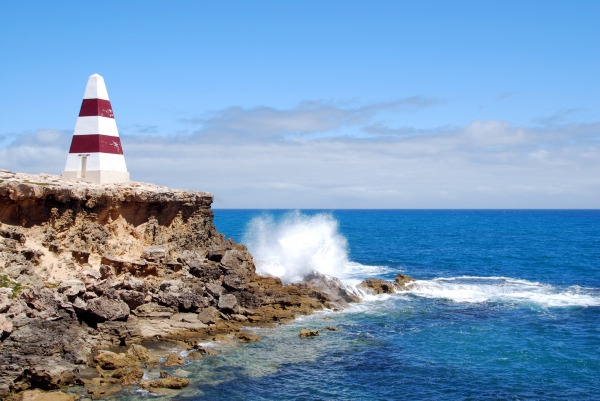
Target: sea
506,306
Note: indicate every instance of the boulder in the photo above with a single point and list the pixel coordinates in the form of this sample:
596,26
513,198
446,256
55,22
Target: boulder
305,333
174,360
5,299
132,298
214,289
209,315
102,392
106,309
6,327
227,302
194,356
168,382
154,253
235,282
205,351
138,352
129,376
204,271
38,395
110,361
401,282
247,338
71,287
135,284
377,286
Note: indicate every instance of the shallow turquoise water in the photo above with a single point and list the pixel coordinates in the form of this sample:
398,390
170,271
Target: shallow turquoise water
507,306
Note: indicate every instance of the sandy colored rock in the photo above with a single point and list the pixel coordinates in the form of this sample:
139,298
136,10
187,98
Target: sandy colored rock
305,333
377,286
223,338
206,350
227,302
138,352
71,287
247,337
6,327
98,393
194,356
174,360
129,376
401,282
169,382
37,395
110,361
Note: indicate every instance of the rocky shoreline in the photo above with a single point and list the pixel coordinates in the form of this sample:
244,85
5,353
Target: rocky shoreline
87,268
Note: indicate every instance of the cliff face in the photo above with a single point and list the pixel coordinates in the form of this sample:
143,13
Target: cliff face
85,267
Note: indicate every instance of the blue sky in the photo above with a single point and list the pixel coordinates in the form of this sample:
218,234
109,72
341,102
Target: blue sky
322,104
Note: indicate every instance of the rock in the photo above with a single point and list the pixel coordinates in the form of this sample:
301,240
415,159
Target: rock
102,392
138,352
38,395
154,311
110,361
133,299
129,376
80,305
5,301
71,287
174,360
247,338
205,272
103,309
209,315
227,302
135,284
214,289
194,356
331,329
182,373
401,282
106,272
153,362
223,338
235,282
377,286
6,327
169,382
239,318
154,253
164,375
205,351
50,377
305,333
185,317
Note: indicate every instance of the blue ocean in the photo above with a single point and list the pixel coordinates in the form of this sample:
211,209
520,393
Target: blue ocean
506,306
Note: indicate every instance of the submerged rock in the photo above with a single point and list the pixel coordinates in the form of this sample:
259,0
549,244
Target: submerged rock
174,360
168,382
305,333
37,395
401,282
377,286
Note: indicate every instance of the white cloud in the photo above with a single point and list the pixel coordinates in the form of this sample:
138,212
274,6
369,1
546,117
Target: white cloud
300,158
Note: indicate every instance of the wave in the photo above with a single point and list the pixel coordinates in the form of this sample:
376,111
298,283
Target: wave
473,289
299,244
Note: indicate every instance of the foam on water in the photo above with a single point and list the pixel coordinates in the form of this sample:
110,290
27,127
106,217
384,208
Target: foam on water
504,289
298,244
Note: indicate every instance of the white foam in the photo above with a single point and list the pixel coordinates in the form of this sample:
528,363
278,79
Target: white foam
298,244
503,289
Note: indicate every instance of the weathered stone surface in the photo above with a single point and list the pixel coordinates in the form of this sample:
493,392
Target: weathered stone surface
138,352
194,356
247,338
71,287
401,282
110,361
102,392
129,376
6,326
154,253
169,382
174,360
133,299
104,308
5,299
377,286
227,302
305,333
209,315
37,395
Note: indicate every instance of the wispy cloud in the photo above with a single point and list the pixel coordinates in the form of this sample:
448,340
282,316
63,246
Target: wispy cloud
559,117
302,157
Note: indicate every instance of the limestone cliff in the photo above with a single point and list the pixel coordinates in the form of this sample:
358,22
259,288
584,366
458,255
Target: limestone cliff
85,267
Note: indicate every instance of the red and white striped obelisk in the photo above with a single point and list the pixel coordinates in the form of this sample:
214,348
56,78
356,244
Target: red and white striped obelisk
96,154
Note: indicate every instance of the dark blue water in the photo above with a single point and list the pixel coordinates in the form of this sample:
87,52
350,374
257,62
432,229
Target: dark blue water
507,306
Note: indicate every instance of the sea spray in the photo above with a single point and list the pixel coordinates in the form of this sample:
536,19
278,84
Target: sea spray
296,245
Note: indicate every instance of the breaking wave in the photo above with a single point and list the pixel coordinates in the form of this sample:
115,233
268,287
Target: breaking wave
503,289
296,245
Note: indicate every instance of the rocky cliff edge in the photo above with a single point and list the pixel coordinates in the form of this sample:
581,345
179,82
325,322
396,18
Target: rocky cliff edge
85,267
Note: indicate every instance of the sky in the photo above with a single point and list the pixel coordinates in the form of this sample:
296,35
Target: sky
319,104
